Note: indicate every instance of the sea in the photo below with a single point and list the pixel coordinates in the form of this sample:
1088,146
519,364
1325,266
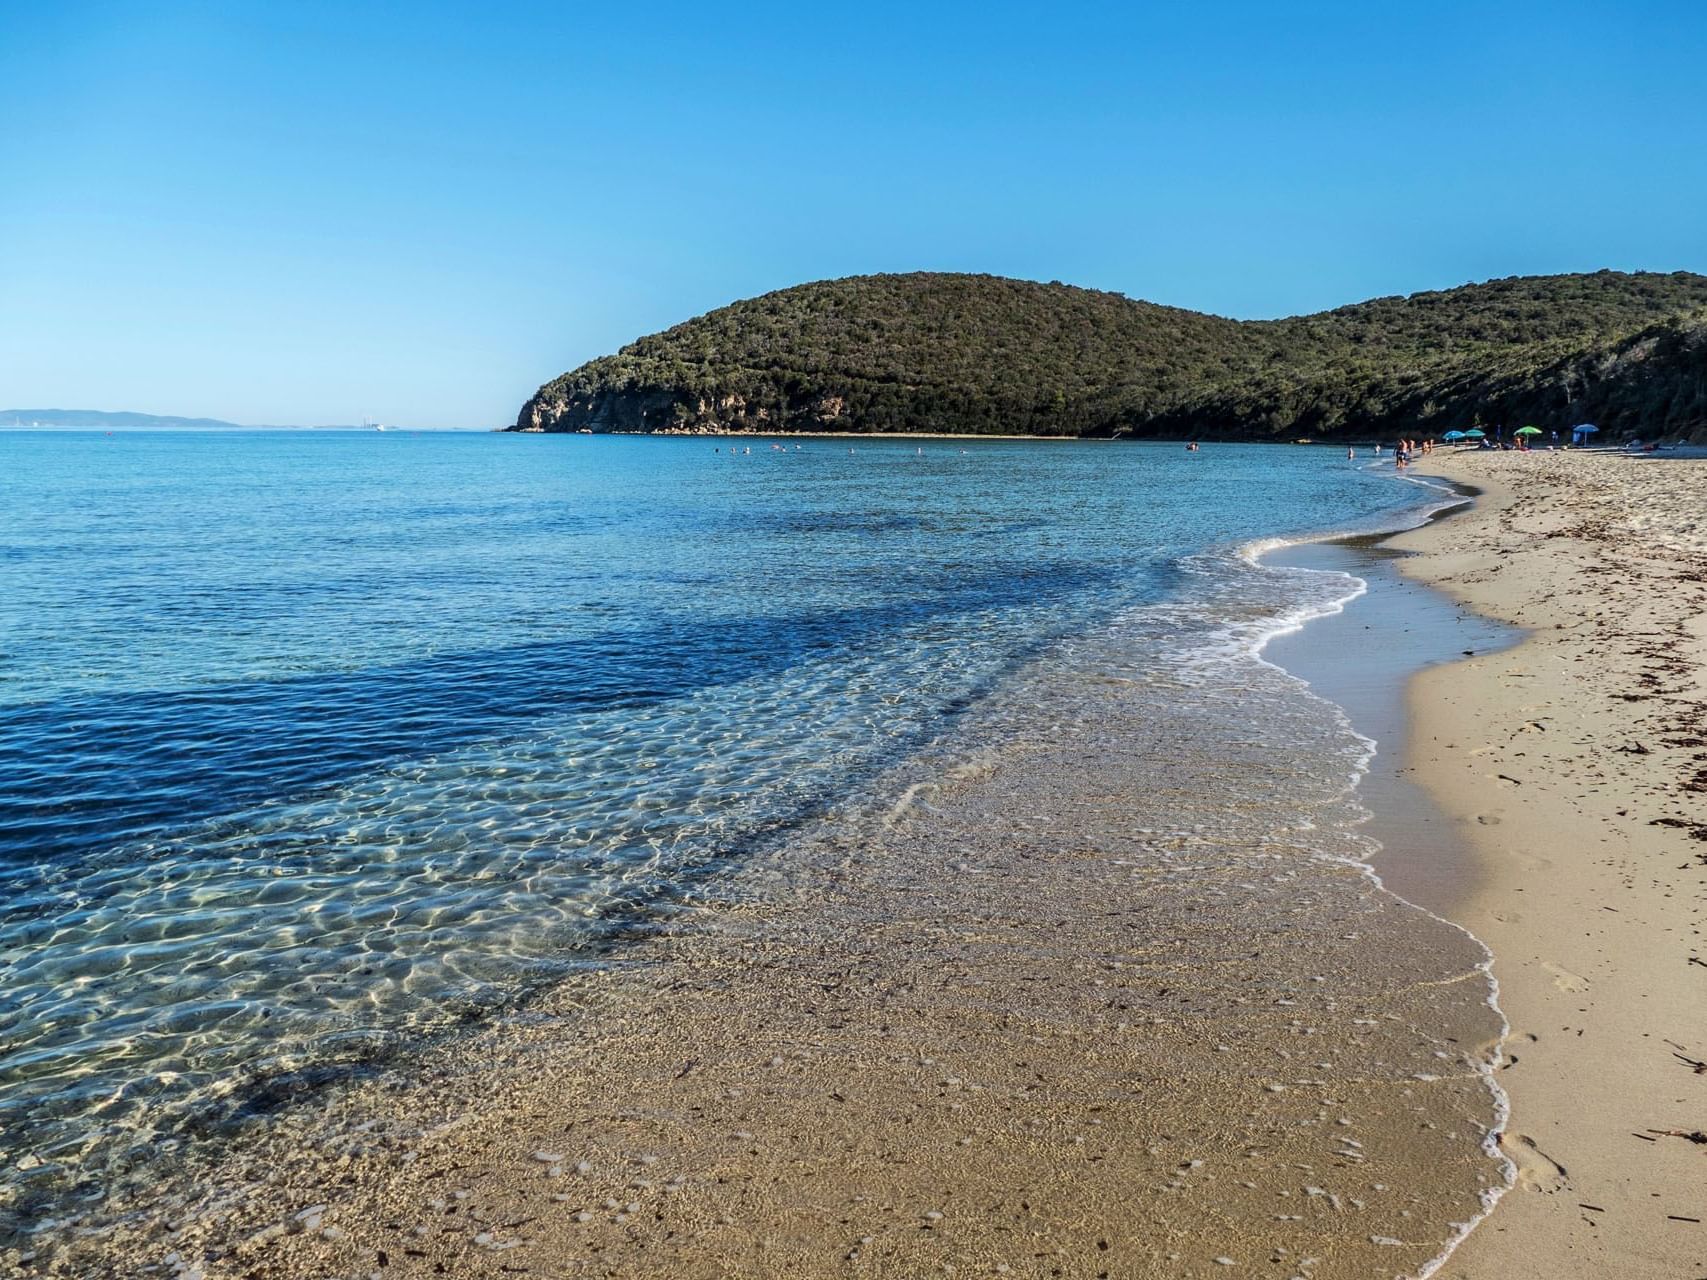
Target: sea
317,747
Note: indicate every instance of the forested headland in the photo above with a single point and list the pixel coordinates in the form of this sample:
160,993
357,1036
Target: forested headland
976,354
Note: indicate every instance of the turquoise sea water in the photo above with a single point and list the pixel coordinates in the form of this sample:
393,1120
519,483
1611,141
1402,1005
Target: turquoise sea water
315,742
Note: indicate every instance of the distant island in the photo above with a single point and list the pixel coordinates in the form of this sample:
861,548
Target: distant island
110,420
979,354
107,419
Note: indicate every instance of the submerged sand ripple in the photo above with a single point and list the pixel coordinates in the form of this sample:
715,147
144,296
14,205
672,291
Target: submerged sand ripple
1114,998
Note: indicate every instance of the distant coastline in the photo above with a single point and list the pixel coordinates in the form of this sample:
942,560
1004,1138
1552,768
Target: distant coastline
124,420
837,437
25,419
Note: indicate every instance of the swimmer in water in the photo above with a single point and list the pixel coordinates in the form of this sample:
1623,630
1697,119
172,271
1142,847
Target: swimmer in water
1351,455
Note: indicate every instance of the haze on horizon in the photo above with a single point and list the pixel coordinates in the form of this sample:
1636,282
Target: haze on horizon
319,213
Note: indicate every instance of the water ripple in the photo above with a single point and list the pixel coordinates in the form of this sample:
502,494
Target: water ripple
316,745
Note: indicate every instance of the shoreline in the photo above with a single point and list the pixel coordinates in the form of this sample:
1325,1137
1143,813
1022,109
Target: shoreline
1395,622
1569,764
835,436
1237,925
1363,660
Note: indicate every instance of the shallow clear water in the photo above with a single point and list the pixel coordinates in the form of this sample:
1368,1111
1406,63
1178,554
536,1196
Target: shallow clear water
314,741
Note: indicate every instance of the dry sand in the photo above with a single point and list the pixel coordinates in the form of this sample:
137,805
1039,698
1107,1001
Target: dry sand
1576,764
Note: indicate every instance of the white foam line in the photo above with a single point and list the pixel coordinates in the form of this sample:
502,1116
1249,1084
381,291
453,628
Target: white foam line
1253,551
1296,620
1488,1070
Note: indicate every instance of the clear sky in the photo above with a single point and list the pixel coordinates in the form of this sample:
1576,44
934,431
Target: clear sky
310,212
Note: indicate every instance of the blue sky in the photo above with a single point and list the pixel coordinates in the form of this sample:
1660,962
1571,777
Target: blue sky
307,212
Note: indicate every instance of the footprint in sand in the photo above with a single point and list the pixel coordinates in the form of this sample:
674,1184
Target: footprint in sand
1488,819
1536,1170
1564,979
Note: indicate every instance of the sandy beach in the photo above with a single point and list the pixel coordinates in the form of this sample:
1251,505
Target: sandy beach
1573,765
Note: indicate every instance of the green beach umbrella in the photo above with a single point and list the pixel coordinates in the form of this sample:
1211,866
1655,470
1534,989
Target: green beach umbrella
1527,431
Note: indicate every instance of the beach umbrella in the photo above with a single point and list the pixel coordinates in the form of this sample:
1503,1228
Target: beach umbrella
1582,431
1527,431
1475,433
1453,435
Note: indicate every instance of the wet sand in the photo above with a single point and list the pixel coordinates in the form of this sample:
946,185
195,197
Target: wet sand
1113,998
1576,767
1364,659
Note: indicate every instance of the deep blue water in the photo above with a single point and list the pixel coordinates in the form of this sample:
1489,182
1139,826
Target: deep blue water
312,740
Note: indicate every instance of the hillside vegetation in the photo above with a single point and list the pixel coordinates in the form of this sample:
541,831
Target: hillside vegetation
985,355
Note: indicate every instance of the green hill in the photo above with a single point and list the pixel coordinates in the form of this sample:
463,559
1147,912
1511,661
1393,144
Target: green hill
985,355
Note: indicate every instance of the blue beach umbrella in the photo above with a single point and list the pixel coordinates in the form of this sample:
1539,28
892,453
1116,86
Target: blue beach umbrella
1453,435
1582,431
1475,433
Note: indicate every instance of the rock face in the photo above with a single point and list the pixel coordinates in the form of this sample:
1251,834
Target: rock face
981,354
644,409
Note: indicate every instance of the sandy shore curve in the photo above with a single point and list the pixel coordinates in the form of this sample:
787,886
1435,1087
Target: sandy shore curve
1576,766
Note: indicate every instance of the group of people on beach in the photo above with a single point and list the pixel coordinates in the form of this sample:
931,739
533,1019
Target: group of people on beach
1403,452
